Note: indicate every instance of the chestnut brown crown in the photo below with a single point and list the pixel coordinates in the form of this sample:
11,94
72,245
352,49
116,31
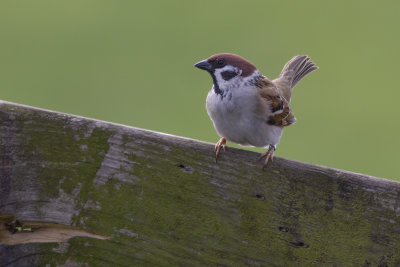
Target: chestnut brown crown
221,60
235,60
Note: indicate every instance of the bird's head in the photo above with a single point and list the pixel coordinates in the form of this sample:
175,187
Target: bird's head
228,70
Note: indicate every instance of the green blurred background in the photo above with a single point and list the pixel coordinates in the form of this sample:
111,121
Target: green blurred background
131,62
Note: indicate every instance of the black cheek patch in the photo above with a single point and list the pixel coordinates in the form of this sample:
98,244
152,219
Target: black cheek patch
227,75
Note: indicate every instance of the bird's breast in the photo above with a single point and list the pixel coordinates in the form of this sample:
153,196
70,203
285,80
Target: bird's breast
238,116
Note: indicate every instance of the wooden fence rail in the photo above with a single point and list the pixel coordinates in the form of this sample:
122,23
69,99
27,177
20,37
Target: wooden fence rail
81,192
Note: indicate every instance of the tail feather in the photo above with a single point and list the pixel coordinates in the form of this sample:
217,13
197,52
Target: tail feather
308,68
293,72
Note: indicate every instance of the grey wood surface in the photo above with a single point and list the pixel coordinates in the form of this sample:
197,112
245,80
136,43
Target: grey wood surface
122,196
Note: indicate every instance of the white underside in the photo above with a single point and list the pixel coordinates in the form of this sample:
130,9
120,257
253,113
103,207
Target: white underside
242,118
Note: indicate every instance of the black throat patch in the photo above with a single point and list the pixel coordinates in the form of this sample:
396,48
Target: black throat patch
216,86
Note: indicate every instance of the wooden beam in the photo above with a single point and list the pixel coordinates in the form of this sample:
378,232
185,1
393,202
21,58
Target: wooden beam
137,197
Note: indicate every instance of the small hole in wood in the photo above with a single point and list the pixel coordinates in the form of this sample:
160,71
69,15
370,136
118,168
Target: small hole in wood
184,168
260,196
299,244
13,227
283,229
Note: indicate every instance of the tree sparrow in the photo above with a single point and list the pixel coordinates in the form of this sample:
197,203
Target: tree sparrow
246,107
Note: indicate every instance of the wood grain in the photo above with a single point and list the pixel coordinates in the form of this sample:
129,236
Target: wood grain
162,200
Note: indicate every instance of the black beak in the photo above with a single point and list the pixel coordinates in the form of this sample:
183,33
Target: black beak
204,65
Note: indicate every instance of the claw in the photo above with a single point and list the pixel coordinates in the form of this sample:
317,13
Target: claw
220,144
269,155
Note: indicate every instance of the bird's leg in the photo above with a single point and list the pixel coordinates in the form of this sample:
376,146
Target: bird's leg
218,145
269,155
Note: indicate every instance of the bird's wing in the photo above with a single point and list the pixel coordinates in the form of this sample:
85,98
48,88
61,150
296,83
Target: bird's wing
280,112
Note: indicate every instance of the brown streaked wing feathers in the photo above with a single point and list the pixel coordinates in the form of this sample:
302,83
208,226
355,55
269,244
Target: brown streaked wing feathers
282,114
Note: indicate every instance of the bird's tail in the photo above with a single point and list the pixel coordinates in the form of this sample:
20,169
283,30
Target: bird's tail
293,72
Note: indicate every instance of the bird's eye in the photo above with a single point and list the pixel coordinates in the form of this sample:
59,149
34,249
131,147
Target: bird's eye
220,62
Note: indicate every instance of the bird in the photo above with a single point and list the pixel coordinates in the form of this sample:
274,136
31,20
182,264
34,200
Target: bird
245,106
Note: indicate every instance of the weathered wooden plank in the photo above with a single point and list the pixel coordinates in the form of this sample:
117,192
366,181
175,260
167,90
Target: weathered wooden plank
162,200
